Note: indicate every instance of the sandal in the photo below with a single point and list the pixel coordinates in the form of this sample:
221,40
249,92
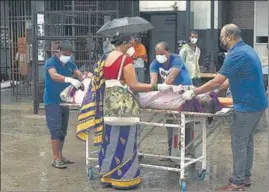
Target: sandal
58,164
67,161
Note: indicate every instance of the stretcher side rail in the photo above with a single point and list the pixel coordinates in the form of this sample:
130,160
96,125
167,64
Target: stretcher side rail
186,113
181,118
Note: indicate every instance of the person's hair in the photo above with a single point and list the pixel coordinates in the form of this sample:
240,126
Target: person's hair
233,30
120,39
65,46
137,38
164,45
193,32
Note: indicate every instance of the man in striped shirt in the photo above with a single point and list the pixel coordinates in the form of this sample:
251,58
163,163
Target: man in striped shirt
242,67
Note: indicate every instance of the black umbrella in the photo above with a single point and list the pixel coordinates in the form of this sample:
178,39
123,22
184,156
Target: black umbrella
126,25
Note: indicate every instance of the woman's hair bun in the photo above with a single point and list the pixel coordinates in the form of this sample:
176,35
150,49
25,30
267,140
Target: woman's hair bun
119,39
114,40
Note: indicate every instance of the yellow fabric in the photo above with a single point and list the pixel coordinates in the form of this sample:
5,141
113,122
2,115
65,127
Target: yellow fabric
88,118
122,183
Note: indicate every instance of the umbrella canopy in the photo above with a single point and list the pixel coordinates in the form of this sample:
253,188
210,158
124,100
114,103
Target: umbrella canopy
125,25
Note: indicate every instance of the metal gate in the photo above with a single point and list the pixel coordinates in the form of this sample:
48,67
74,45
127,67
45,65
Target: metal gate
4,68
77,21
15,61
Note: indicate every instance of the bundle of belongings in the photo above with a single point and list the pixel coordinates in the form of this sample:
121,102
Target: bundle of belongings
170,100
75,96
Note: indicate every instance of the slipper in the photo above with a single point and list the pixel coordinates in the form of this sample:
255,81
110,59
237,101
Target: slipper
58,164
68,161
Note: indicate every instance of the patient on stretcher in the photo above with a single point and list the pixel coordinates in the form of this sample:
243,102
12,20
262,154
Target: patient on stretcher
170,100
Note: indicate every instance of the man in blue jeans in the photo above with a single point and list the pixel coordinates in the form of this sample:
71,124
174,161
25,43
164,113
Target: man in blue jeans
173,71
243,69
58,75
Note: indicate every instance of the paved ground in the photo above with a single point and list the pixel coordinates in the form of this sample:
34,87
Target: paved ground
26,158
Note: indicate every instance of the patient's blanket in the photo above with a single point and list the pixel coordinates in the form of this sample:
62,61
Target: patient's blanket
207,103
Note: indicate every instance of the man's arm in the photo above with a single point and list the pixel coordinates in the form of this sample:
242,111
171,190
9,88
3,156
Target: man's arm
172,76
76,71
231,65
197,62
60,78
183,53
78,74
224,86
153,78
56,76
177,65
154,70
211,85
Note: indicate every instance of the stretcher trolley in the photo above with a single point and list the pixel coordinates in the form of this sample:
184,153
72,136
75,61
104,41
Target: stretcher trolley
155,118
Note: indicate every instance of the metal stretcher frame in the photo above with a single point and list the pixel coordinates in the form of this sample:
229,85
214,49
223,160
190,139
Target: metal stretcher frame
183,118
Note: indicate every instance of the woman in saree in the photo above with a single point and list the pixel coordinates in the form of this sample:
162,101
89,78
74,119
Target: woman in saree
118,159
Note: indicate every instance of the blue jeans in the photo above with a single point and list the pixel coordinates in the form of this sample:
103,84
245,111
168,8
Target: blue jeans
57,120
242,136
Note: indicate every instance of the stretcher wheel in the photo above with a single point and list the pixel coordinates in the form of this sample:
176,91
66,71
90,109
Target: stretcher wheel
202,175
183,186
90,173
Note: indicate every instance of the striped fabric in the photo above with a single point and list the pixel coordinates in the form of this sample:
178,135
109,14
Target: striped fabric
91,112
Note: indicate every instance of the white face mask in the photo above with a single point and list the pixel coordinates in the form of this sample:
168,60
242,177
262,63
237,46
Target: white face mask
64,59
130,51
161,58
194,40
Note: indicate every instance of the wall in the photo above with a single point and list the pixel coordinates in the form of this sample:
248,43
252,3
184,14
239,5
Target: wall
202,11
202,23
260,27
164,30
161,5
240,13
201,19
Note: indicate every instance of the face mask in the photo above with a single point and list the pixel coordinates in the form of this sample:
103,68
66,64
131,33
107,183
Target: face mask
130,51
194,40
64,59
161,58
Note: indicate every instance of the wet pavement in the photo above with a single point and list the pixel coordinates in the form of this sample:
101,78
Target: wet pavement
26,158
